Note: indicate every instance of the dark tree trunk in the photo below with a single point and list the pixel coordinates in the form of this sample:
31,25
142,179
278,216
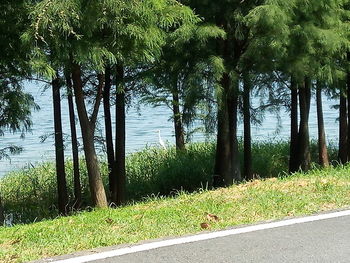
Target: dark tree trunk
248,173
226,162
322,145
2,213
75,150
59,149
109,134
120,138
97,190
343,127
227,167
293,152
348,110
223,151
179,131
303,138
232,114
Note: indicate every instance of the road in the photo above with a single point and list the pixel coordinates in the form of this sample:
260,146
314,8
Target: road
323,238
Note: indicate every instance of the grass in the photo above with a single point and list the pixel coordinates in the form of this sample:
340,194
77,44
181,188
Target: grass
30,194
274,198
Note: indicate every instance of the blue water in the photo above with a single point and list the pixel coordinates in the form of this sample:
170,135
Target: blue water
142,121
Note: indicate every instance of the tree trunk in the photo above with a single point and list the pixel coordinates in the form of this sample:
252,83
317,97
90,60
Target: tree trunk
303,138
232,114
75,150
293,152
343,127
97,190
248,173
109,136
120,138
2,213
348,109
226,162
59,149
227,168
222,159
322,145
179,131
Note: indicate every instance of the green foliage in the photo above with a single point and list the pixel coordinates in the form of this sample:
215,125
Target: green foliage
6,152
187,69
15,104
31,193
311,36
15,107
103,32
13,21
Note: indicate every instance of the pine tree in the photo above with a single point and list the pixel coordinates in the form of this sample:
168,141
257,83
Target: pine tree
135,37
59,147
313,37
245,44
183,74
74,140
322,144
55,44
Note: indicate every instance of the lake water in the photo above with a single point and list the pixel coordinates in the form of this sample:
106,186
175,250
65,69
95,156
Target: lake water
141,125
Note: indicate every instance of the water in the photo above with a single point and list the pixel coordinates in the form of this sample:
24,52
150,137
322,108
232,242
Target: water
141,123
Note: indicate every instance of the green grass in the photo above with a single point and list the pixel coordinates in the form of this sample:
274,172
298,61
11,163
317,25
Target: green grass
30,194
274,198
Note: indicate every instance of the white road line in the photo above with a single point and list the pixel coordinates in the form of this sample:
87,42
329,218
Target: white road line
200,237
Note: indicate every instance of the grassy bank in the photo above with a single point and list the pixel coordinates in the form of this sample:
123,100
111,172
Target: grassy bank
273,198
30,194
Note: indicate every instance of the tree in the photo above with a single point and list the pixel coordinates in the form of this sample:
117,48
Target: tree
249,27
323,153
182,76
304,155
343,127
293,161
120,136
88,125
15,105
53,31
315,38
139,32
321,34
266,35
75,150
2,214
59,147
247,166
227,16
108,128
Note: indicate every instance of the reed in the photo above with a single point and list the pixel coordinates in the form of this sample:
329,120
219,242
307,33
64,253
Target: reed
30,194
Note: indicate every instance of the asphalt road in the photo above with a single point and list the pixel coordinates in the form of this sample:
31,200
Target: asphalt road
326,240
320,241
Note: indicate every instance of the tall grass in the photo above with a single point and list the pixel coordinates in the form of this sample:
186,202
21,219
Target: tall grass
162,172
30,194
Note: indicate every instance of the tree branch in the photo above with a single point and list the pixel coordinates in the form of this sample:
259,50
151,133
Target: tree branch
39,80
100,87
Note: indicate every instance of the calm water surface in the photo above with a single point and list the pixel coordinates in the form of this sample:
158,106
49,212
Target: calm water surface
141,125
